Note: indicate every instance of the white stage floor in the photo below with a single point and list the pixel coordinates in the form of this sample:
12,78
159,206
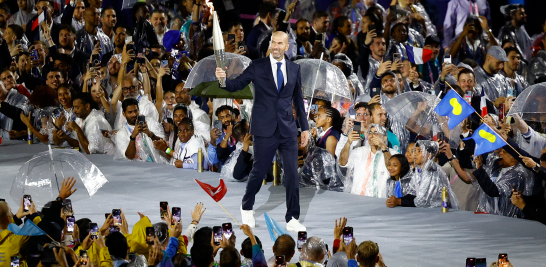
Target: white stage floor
406,236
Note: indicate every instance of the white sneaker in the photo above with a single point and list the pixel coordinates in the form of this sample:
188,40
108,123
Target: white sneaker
295,225
248,217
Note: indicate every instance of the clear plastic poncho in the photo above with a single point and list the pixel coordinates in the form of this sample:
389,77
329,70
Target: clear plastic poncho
321,170
429,179
145,150
405,185
229,165
494,87
367,172
92,126
366,78
145,108
506,179
431,28
15,99
354,83
537,67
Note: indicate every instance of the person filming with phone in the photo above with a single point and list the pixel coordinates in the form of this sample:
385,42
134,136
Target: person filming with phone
134,141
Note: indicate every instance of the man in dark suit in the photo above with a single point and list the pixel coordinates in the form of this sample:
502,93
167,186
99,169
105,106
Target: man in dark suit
266,17
277,84
37,33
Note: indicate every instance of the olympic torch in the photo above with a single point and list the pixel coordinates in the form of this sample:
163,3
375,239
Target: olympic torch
218,45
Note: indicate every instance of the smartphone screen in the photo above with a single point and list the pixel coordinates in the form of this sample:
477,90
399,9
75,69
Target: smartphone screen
217,230
114,229
150,235
218,124
83,257
27,202
164,63
510,92
352,113
116,216
176,213
357,127
440,137
503,259
15,261
470,262
302,237
396,57
67,206
227,230
128,39
481,262
468,97
163,209
94,230
132,257
280,261
447,60
347,235
70,224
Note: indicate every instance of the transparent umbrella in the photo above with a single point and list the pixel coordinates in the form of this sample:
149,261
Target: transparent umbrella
530,105
42,176
205,69
320,79
414,109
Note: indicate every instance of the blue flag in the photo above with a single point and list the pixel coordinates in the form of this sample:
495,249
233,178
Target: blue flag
486,140
455,108
275,229
28,229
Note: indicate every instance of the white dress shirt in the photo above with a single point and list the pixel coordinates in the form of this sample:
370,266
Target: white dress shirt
274,68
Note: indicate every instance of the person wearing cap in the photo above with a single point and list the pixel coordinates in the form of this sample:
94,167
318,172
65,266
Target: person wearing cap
431,69
510,70
495,85
514,30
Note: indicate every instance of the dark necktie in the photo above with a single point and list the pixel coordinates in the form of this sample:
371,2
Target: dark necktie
280,77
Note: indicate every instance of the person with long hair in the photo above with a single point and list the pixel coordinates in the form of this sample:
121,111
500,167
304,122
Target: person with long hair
398,186
330,121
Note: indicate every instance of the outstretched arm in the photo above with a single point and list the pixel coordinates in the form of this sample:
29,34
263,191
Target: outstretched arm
240,82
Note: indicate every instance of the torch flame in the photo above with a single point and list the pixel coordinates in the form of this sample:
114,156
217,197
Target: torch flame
210,5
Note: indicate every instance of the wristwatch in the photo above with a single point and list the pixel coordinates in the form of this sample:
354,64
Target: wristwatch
132,138
59,199
536,168
452,158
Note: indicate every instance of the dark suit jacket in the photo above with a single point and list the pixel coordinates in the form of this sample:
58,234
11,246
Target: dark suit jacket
252,39
35,35
271,108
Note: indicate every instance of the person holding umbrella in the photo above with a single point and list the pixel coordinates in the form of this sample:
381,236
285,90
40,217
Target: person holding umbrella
277,84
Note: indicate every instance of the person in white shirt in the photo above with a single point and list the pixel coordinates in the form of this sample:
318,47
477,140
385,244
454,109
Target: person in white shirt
90,127
159,21
134,141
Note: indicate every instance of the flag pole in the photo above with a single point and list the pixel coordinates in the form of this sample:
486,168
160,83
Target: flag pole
228,213
483,120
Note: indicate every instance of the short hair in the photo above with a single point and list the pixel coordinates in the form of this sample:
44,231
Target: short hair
373,107
470,62
457,89
361,105
68,28
4,209
339,21
64,58
235,112
284,245
201,254
53,70
246,246
188,122
18,30
158,11
128,102
202,236
137,6
265,8
38,42
301,20
5,7
239,131
319,14
367,253
510,49
326,102
234,23
86,98
466,71
222,108
119,25
105,9
229,257
117,245
181,260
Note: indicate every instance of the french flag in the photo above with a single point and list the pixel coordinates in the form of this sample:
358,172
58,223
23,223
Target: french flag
483,104
39,20
418,55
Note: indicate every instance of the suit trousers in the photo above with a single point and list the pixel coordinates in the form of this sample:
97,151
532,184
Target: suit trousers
264,151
